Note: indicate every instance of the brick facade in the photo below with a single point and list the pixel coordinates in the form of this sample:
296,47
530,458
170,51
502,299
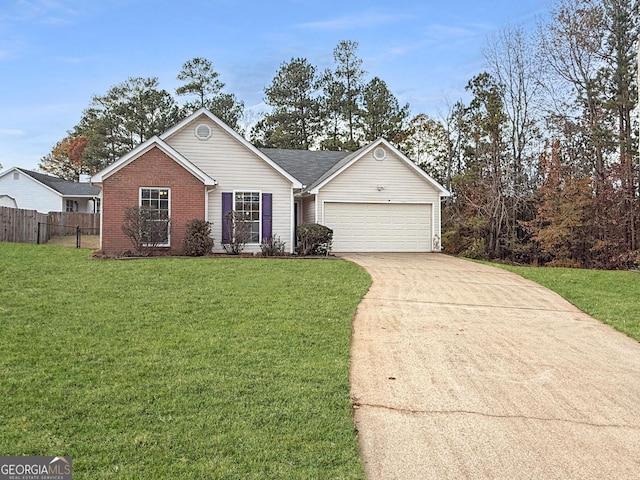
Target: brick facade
152,169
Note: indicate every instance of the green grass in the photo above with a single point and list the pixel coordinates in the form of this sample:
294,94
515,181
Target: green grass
612,297
178,368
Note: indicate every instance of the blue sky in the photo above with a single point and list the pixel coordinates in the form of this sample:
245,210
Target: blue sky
56,54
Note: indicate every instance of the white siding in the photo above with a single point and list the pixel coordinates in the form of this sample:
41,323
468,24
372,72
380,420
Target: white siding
388,181
29,194
309,210
235,168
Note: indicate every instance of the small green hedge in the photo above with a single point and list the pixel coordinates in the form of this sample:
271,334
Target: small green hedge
197,241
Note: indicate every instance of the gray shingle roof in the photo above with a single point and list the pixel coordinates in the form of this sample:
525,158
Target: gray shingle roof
305,165
64,187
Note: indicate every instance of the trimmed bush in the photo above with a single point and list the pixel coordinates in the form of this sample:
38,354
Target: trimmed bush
197,241
272,247
314,239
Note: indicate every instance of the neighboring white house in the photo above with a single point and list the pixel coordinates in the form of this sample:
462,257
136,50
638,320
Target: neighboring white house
21,188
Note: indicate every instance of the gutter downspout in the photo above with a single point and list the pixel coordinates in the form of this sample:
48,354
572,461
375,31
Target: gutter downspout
292,221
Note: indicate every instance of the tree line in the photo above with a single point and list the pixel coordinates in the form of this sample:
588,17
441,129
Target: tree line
133,111
542,161
334,110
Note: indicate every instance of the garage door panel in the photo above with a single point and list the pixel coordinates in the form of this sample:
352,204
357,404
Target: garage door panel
379,227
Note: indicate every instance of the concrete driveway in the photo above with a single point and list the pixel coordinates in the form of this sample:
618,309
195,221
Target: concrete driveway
463,371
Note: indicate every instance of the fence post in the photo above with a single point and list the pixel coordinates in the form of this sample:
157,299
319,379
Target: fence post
38,239
78,236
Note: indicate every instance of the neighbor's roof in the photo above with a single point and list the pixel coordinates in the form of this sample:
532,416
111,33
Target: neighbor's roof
305,165
64,187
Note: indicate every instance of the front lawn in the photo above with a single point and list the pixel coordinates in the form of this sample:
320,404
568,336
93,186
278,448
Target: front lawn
178,368
612,297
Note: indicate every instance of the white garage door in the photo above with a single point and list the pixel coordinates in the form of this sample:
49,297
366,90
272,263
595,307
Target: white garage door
379,227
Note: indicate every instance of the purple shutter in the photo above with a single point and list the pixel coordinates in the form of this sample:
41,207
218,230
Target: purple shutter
227,206
266,215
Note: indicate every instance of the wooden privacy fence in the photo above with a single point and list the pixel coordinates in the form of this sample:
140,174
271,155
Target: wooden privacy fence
30,226
60,223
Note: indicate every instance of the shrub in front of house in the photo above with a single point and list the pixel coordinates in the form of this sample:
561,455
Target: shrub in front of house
272,247
197,241
146,228
314,239
239,232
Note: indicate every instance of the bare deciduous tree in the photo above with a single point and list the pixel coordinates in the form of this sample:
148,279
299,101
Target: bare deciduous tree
239,232
146,229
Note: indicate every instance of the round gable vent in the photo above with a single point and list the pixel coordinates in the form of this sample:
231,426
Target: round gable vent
379,154
203,131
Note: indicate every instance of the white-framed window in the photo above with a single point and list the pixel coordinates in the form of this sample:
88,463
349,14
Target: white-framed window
158,201
71,206
247,204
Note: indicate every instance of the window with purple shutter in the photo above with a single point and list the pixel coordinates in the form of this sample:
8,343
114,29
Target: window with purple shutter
227,206
252,207
266,216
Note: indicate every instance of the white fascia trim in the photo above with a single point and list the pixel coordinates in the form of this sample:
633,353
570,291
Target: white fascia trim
203,111
66,197
143,148
6,172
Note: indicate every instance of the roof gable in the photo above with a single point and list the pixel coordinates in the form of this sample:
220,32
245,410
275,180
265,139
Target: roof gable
349,160
141,150
237,137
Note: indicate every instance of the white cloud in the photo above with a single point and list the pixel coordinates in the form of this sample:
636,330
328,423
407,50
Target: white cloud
50,12
449,32
12,132
356,21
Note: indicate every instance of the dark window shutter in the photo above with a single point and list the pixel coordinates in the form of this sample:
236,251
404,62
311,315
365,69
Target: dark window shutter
227,206
266,215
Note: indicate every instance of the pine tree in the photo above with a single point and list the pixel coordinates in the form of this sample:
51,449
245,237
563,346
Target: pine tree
295,119
202,82
382,116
